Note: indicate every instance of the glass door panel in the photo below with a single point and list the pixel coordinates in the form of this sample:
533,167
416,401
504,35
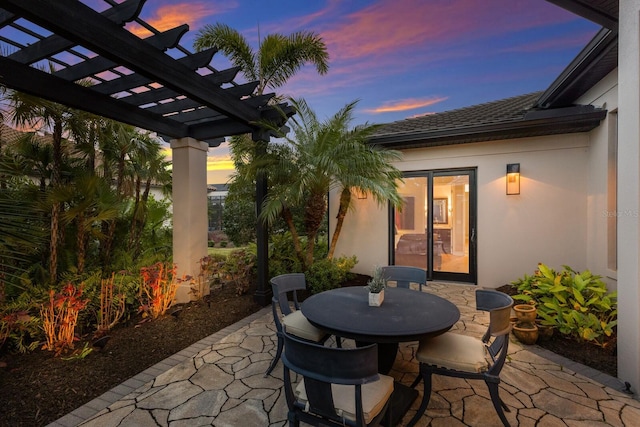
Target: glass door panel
411,224
435,228
451,223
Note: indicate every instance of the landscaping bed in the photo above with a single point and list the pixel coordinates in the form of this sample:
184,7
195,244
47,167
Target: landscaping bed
38,388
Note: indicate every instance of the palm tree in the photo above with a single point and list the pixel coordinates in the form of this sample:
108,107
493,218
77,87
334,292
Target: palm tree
149,167
279,57
324,156
32,112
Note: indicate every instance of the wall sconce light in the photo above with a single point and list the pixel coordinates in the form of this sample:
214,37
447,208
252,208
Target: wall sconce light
359,193
513,178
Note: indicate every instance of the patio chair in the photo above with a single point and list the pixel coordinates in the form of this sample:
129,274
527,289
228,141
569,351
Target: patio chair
291,320
462,356
340,386
404,276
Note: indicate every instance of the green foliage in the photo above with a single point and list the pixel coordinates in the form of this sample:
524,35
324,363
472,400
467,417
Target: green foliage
239,216
378,282
282,256
20,330
240,267
577,304
326,274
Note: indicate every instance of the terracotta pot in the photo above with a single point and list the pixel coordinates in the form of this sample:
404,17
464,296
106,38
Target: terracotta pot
544,332
526,332
525,312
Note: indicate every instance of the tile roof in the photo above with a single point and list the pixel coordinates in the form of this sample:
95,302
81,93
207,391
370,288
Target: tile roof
510,109
509,118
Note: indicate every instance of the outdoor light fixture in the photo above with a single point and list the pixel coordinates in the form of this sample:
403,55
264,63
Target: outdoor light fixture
360,194
513,178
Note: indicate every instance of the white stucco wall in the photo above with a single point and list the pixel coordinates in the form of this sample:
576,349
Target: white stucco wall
603,95
546,223
629,194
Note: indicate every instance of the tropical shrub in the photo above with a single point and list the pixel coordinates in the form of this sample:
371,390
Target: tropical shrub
19,330
60,317
157,289
326,274
239,267
576,304
112,304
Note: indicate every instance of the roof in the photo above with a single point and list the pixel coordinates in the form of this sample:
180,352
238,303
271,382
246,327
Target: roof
100,66
9,136
504,119
547,112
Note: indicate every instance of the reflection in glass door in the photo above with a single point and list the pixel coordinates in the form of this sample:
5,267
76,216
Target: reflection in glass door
435,229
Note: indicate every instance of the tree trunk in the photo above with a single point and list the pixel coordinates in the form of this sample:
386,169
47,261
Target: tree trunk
55,209
314,213
81,243
288,218
345,201
135,217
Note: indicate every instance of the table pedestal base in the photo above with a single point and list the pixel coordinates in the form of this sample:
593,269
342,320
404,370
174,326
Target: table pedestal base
401,400
386,355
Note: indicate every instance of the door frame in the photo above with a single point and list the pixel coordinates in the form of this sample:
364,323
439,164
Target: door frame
472,275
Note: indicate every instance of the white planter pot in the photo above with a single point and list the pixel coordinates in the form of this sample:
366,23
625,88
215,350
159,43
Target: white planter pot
375,300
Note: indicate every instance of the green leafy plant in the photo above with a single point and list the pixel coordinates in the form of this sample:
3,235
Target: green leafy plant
239,267
378,282
576,304
326,274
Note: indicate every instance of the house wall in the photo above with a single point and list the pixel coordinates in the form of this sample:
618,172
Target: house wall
629,195
600,214
546,223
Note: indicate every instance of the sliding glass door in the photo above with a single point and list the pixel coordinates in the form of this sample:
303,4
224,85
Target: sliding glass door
435,229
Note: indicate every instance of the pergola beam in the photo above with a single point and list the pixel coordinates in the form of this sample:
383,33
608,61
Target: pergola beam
39,83
101,35
162,41
120,14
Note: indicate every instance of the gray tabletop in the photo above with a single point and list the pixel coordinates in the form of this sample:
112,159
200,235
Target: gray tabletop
405,314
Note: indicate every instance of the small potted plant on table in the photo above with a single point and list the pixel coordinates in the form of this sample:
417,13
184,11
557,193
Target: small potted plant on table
376,287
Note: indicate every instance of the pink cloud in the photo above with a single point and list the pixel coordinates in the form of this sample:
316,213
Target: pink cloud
173,15
406,104
391,26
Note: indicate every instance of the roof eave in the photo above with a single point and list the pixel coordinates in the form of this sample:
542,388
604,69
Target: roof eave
535,126
599,46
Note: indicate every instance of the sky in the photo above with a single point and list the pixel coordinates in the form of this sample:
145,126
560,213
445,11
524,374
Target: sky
398,58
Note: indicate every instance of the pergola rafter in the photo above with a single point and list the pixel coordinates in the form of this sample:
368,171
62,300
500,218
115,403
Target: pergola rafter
145,87
78,56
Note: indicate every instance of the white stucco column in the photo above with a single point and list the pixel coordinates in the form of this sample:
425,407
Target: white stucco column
189,208
629,194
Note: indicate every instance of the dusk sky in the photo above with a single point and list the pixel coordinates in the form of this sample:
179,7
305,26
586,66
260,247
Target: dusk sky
400,58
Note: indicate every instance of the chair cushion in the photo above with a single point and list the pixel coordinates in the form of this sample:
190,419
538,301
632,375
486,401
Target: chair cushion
454,351
374,396
298,325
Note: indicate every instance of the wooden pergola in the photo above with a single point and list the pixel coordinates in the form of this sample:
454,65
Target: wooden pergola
51,49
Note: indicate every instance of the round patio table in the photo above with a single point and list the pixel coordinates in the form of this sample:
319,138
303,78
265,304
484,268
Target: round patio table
405,315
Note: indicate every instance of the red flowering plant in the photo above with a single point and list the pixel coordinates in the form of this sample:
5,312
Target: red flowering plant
158,289
112,305
60,317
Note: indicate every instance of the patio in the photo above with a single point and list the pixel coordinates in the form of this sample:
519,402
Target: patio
219,381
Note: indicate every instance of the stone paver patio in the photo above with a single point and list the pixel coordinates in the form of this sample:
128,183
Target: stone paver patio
219,382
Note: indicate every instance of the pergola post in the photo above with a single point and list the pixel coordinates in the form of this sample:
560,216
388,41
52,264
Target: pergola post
263,291
189,209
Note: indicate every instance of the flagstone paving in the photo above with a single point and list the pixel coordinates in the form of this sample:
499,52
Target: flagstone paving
220,382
